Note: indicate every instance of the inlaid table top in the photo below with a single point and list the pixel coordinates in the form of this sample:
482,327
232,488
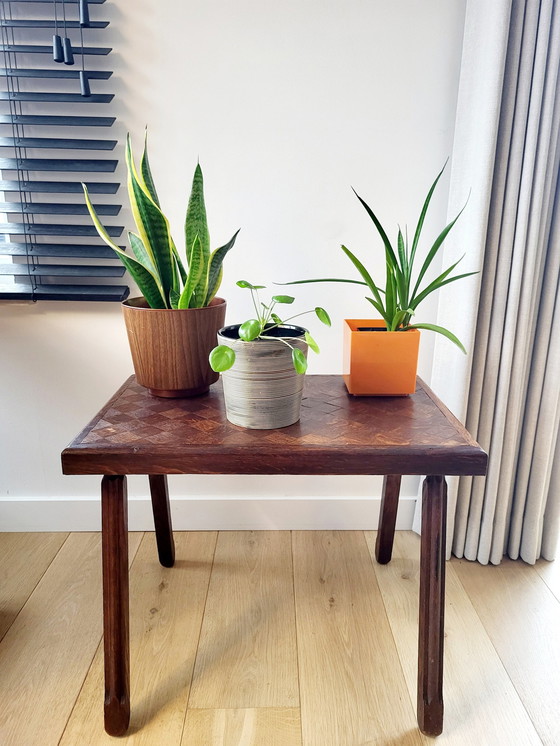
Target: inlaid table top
136,433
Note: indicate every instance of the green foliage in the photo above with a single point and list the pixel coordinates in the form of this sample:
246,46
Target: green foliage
404,290
223,357
156,266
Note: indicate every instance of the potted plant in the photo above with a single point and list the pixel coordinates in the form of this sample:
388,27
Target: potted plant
262,362
381,355
173,326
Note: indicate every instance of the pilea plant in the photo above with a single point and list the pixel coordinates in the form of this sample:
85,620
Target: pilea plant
222,358
155,265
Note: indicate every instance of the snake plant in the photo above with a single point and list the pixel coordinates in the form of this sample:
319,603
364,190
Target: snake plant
155,263
403,291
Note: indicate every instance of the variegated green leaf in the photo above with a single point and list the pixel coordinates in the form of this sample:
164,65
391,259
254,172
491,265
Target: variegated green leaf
196,224
146,173
215,268
195,270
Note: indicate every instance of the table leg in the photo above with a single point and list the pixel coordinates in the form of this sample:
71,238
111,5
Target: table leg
432,605
387,518
114,518
162,519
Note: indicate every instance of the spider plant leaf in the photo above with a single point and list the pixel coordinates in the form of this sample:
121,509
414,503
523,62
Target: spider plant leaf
364,273
323,279
142,276
195,270
250,330
380,229
145,172
423,212
434,250
440,330
215,270
299,360
323,316
196,224
221,358
312,343
152,225
380,310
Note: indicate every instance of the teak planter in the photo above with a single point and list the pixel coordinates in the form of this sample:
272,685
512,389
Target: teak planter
379,363
262,391
170,347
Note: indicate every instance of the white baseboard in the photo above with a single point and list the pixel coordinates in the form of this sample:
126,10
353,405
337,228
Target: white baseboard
205,514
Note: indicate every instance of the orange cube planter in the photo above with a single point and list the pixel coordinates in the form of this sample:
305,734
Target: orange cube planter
379,363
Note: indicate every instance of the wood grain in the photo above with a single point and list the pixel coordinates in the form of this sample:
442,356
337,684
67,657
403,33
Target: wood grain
170,348
47,651
481,704
166,614
387,517
518,610
268,726
352,686
24,558
247,651
136,433
550,573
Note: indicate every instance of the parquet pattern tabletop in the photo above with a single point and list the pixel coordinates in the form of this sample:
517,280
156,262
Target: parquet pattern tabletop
136,433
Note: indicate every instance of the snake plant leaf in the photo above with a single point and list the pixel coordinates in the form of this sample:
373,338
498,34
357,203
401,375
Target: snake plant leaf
299,360
146,173
139,251
250,330
196,224
323,316
196,267
215,270
423,212
146,280
312,343
221,358
174,297
440,330
152,225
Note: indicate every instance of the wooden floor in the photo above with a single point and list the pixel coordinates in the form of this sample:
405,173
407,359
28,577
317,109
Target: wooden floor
273,639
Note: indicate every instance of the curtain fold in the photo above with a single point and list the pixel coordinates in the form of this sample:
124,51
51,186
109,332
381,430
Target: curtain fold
512,396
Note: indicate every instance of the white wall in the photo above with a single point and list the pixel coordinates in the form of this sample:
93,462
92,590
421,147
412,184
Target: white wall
287,105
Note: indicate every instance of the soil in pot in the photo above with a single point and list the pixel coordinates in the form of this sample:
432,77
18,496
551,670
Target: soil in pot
262,391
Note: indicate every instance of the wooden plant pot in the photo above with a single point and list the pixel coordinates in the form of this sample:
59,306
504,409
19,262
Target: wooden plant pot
262,391
379,363
170,348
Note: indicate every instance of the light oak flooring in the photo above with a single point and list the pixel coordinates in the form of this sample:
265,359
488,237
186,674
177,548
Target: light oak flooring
273,638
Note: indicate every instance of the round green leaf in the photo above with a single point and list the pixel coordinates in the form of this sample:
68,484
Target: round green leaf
276,318
323,316
299,361
249,330
311,342
245,284
283,298
221,358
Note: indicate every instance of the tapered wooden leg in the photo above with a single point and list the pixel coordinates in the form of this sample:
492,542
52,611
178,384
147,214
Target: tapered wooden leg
387,518
432,605
114,518
162,519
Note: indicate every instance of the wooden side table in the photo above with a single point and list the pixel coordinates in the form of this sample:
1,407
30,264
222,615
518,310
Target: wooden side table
136,433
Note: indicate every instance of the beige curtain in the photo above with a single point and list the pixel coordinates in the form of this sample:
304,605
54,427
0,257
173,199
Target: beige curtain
512,391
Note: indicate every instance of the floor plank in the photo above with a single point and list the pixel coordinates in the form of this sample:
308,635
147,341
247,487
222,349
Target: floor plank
522,618
24,558
351,682
481,704
273,726
47,651
166,609
247,651
550,573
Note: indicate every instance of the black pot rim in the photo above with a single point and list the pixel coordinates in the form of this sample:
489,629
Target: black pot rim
292,331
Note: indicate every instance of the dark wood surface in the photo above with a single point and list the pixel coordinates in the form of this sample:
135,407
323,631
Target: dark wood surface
136,433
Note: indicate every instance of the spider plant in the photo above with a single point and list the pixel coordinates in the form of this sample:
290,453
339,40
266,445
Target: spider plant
155,264
222,357
404,290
